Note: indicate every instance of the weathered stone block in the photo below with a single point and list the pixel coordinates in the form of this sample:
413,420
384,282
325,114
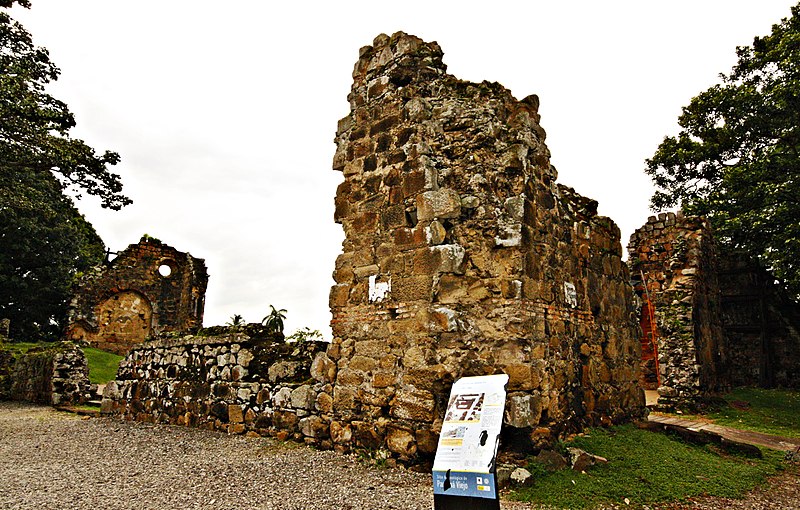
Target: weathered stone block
313,426
383,380
324,402
412,288
343,400
235,414
303,397
443,203
341,433
401,441
417,406
367,434
323,369
283,371
448,258
362,363
522,410
285,420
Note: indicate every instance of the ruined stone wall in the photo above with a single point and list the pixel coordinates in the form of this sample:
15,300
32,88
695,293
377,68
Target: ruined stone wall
761,324
235,381
55,374
149,288
463,256
677,257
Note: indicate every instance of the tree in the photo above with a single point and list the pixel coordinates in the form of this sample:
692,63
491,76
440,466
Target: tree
736,160
236,322
274,321
34,126
44,241
44,244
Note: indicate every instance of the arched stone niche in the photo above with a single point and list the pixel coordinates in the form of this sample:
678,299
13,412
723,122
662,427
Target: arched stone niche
124,320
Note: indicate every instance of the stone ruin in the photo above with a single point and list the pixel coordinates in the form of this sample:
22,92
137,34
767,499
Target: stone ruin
673,262
463,256
148,289
761,325
709,320
56,374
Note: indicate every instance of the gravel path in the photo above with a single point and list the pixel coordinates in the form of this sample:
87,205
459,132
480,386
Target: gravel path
53,460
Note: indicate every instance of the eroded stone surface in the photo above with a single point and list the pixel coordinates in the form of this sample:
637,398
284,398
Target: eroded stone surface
148,289
494,267
674,265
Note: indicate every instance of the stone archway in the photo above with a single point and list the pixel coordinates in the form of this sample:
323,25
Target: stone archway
123,320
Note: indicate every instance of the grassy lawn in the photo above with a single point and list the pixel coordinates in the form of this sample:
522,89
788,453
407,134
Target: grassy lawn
646,468
102,365
775,412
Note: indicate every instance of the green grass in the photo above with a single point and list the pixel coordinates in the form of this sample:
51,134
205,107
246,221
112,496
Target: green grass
102,365
775,412
21,347
646,468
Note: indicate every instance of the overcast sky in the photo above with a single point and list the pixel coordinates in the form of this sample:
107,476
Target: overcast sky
224,112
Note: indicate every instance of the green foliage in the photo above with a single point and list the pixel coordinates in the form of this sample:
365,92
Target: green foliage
34,126
274,321
148,237
102,365
44,243
18,348
236,322
305,334
736,157
44,240
647,468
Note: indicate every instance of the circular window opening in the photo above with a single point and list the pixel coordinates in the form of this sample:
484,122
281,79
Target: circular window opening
164,270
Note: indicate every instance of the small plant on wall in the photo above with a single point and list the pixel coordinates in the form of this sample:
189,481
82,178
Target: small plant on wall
305,334
236,322
274,321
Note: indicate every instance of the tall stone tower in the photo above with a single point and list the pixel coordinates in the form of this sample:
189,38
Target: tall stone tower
463,256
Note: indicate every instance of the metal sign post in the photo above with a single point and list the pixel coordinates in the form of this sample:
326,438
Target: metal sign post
464,476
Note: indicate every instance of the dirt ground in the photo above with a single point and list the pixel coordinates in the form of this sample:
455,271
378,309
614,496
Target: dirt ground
55,460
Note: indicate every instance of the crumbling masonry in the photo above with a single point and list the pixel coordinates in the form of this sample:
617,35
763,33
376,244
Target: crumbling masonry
149,288
673,262
710,319
463,256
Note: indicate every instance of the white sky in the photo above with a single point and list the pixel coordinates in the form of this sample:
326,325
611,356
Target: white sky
224,112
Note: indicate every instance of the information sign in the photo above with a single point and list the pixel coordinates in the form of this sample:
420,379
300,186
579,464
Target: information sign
464,466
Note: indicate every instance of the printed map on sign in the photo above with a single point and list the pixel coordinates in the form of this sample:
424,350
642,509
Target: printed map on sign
466,408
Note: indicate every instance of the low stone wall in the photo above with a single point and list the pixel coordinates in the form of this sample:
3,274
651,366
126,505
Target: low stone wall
56,374
233,381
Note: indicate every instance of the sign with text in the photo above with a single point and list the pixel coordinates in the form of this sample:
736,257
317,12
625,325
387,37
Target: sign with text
465,457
